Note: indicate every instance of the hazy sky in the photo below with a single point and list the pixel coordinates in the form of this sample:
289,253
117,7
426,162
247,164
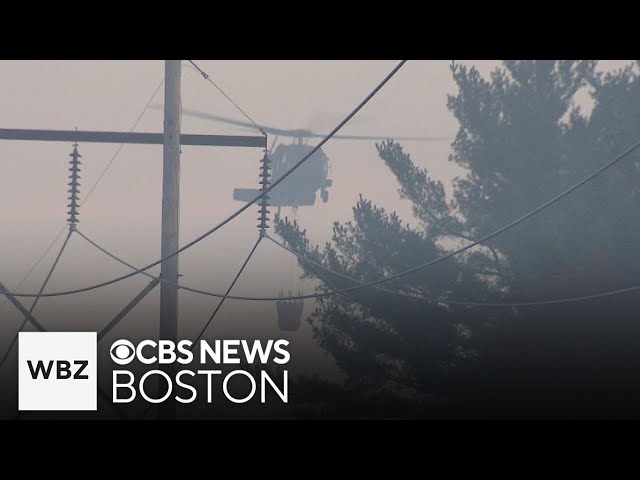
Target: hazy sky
124,211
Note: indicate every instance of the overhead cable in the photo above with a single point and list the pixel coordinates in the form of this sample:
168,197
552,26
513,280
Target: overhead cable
35,302
207,77
204,329
415,294
237,212
115,155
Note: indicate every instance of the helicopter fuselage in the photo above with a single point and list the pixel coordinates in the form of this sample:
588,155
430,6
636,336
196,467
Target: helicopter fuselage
300,187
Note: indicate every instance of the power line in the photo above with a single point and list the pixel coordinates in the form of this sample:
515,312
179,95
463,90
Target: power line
208,78
119,260
135,125
37,262
416,295
237,212
46,280
346,277
35,302
255,246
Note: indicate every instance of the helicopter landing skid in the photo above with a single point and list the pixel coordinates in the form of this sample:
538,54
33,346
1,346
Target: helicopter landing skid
275,199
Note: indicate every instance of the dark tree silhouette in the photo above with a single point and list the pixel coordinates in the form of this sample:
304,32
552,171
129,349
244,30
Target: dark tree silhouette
522,140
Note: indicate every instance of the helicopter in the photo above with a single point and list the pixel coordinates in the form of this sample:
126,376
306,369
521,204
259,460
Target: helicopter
300,188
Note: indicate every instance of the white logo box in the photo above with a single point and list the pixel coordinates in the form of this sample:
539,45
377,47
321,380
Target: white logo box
65,388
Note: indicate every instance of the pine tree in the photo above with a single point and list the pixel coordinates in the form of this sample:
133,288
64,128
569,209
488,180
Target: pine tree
522,140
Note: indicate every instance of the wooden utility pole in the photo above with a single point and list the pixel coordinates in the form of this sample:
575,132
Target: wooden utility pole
170,216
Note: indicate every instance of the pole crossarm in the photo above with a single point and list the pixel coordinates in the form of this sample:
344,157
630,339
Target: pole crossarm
254,141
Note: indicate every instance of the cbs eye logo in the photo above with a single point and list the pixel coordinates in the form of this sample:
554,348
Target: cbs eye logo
122,352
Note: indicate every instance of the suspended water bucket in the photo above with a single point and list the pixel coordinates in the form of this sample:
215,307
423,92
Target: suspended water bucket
289,314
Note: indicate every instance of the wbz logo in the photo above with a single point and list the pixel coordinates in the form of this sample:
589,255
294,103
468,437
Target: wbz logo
57,371
62,368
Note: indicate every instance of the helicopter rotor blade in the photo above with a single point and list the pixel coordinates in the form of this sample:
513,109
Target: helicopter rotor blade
388,137
217,118
300,133
209,116
307,134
